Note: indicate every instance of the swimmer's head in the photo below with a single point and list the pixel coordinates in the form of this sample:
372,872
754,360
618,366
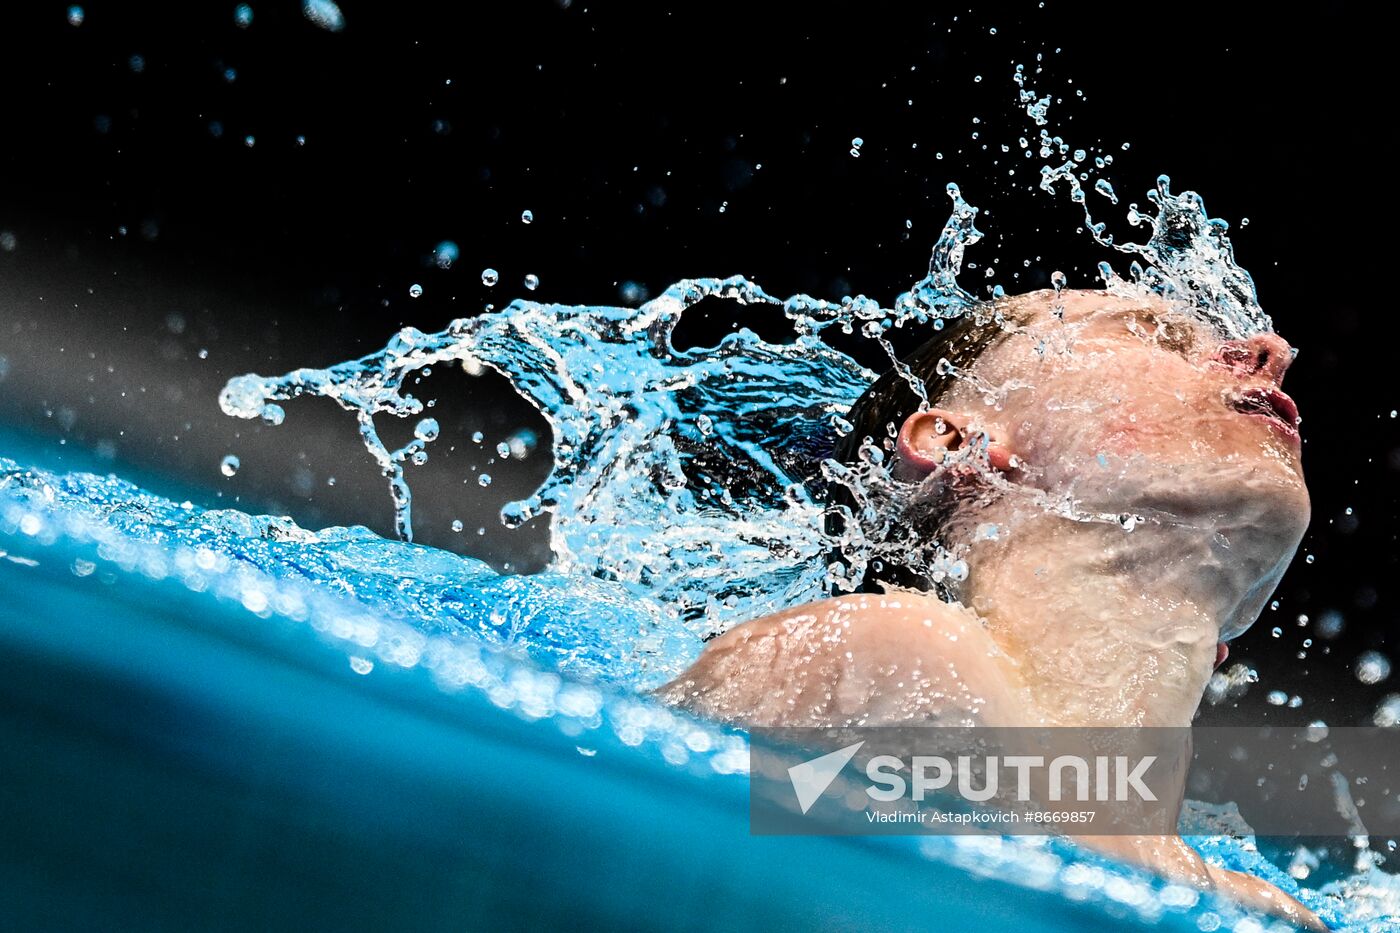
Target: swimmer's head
1120,404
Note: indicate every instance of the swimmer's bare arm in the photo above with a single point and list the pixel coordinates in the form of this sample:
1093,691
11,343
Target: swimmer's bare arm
866,659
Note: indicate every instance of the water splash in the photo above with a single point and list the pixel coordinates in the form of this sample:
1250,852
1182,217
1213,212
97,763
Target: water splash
1189,258
697,476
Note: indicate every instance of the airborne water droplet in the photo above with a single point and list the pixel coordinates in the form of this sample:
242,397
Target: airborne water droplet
415,290
324,13
229,465
445,254
427,430
484,479
489,277
1372,667
527,217
456,524
532,282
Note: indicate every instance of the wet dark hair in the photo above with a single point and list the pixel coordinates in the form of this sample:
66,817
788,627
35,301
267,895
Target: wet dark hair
891,399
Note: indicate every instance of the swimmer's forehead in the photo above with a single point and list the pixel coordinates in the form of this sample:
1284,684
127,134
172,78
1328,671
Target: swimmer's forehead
1086,307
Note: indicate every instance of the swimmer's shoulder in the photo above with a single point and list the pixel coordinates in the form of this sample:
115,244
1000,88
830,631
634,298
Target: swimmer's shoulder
838,658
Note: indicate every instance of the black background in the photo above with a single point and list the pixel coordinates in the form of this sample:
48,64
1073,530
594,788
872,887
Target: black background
143,227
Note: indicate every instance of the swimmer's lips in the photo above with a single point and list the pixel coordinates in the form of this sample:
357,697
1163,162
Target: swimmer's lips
1272,405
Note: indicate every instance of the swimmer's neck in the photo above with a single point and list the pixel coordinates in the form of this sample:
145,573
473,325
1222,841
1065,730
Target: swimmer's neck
1108,627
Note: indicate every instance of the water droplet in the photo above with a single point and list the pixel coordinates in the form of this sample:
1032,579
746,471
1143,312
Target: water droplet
489,277
1310,558
1372,667
243,16
1276,698
1058,280
503,450
1277,632
445,254
273,414
1387,714
527,217
522,442
415,290
855,147
361,665
76,16
427,430
532,282
1244,221
229,465
324,13
476,437
484,479
704,425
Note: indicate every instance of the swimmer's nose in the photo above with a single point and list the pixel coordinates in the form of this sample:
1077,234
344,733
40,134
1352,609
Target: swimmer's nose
1268,355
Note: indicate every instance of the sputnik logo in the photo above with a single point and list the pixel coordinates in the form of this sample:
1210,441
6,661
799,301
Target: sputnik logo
810,779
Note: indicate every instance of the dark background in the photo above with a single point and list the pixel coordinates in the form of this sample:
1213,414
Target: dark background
171,183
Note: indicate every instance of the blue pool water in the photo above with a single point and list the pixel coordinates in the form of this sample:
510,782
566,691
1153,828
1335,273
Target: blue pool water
225,721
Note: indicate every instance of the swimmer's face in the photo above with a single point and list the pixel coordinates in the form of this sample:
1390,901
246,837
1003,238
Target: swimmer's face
1129,406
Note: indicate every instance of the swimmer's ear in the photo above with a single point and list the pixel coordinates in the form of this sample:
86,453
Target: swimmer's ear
927,436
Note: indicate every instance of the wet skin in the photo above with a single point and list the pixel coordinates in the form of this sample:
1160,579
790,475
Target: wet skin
1123,406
